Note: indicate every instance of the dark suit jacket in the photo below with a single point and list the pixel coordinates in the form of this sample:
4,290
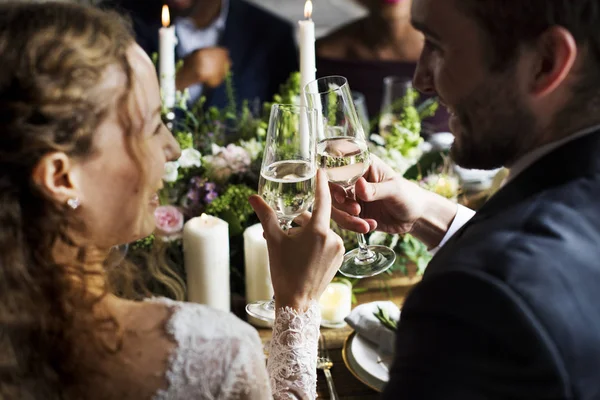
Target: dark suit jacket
509,308
261,47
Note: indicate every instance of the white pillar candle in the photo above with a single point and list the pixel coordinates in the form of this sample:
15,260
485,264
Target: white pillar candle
206,258
336,302
258,274
166,55
308,66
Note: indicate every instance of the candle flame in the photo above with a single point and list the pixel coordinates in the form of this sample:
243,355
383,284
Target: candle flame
308,9
166,16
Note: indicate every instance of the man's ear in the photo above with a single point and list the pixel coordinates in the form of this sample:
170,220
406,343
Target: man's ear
556,53
53,174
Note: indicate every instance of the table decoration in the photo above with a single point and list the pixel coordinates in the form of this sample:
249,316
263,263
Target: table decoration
257,272
219,169
336,303
166,70
206,260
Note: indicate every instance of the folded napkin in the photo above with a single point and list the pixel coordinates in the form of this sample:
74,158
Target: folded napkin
363,320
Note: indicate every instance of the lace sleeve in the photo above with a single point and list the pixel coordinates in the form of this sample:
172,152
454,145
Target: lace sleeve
292,362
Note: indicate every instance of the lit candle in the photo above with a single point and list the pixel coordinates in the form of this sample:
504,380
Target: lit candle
206,258
308,67
336,302
166,53
258,275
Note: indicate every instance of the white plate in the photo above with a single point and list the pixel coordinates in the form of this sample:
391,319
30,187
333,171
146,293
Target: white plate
365,363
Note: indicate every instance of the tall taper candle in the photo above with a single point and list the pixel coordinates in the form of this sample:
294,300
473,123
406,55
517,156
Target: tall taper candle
308,66
166,54
206,258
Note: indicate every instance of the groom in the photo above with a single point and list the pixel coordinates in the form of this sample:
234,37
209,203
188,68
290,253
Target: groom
509,307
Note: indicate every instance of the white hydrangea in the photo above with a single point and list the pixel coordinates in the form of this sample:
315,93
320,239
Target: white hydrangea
190,158
253,147
171,171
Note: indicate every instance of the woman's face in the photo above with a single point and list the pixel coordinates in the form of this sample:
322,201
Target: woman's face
117,184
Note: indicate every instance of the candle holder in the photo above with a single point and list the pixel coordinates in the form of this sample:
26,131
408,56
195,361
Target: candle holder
336,304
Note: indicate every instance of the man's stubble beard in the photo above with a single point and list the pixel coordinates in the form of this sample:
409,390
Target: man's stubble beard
497,129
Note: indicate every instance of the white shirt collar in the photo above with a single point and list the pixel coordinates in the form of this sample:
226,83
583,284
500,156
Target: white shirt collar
530,158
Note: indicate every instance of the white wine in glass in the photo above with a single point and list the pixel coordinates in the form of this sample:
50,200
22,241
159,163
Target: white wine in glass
289,188
343,152
288,175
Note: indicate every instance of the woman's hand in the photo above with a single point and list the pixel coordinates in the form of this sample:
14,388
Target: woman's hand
304,260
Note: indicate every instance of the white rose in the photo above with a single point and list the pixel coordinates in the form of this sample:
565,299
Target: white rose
171,171
190,158
215,149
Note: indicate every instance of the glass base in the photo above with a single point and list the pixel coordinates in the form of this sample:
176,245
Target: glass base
262,310
381,260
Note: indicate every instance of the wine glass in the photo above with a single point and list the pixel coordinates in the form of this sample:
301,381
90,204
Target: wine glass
288,174
343,152
361,109
394,102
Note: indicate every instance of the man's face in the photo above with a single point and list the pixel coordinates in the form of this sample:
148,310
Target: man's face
490,117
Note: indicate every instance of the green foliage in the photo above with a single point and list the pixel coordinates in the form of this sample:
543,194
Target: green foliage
288,94
144,244
411,250
233,207
185,140
383,317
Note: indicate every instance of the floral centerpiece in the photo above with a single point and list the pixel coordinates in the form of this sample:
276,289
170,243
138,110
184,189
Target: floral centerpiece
219,169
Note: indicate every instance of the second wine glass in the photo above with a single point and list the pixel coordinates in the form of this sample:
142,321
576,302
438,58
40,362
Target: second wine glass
343,152
288,174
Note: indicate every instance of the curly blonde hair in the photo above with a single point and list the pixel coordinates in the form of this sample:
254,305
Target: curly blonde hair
53,57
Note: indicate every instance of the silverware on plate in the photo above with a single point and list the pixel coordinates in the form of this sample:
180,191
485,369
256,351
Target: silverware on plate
324,363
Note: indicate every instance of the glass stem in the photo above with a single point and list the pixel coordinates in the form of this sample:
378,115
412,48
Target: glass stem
364,254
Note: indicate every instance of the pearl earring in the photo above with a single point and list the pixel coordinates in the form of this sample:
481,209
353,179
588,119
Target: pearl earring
74,203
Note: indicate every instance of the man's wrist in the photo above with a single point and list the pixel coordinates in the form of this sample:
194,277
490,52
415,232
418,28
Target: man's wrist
436,218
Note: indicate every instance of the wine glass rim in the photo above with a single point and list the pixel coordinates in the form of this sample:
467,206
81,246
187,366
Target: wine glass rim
288,106
397,79
330,77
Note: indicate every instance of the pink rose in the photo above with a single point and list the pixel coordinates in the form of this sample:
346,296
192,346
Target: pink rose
169,222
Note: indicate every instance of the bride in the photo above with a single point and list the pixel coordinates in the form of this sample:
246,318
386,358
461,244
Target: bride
82,152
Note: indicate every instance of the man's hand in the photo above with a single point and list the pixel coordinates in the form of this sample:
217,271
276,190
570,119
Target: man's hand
303,260
207,66
392,204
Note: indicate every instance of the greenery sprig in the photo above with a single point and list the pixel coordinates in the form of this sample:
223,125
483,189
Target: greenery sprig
383,317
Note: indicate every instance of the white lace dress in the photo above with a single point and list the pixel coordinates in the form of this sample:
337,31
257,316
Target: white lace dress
218,356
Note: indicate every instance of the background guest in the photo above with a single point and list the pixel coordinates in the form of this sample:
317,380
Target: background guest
215,36
382,44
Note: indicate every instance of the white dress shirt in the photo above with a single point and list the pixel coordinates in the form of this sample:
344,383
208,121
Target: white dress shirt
464,214
190,39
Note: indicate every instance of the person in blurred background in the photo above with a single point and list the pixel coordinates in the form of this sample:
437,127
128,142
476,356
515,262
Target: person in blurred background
382,44
215,37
